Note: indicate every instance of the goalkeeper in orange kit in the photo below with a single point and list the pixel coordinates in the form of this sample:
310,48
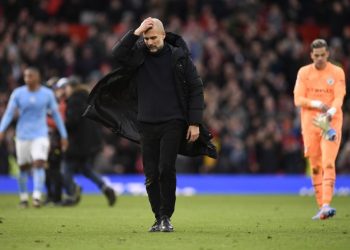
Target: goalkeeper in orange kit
319,92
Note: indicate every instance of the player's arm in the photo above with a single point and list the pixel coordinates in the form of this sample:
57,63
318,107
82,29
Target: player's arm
339,93
9,112
300,98
57,116
59,121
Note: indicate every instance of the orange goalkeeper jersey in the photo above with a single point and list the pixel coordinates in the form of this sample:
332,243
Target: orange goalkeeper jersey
327,86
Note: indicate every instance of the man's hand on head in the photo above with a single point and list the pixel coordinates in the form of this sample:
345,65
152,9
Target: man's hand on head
144,26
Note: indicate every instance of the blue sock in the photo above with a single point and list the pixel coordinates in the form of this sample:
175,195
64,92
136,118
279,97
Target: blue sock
38,182
22,184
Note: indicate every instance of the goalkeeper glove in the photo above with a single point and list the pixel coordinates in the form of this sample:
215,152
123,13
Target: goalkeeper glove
323,122
330,134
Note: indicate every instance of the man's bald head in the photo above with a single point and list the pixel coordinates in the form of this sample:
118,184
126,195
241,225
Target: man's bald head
154,36
157,26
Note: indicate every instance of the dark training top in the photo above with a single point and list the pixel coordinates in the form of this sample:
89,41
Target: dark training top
157,98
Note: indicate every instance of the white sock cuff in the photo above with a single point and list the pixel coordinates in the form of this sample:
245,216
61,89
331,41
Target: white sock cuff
23,196
37,195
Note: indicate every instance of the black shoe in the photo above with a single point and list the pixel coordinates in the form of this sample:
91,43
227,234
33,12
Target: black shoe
165,225
110,195
69,202
155,227
23,204
72,200
57,204
48,203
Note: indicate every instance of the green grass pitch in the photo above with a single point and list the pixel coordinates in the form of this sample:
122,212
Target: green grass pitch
201,222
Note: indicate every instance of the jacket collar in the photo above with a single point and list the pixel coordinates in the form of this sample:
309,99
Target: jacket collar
176,41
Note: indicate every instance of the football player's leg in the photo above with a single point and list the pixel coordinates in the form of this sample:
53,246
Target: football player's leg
313,153
316,177
23,160
39,153
23,185
329,154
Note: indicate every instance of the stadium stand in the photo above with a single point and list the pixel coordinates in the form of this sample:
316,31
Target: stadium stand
247,53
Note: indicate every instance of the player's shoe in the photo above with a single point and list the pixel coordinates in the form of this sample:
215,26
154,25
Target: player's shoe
74,199
318,215
47,202
165,225
23,204
68,202
37,203
110,195
325,213
155,227
52,203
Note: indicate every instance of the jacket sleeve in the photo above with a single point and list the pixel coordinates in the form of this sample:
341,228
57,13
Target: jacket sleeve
124,48
195,93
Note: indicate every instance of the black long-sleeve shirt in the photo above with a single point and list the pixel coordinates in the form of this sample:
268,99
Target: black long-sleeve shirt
157,98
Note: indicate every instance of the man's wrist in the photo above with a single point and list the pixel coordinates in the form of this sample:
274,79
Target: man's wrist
316,104
331,111
137,32
194,124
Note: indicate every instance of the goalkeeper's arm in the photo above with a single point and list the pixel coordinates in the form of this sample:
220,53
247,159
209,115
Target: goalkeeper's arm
300,95
316,104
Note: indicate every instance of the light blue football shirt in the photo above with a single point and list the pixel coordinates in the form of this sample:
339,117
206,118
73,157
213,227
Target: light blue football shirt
33,107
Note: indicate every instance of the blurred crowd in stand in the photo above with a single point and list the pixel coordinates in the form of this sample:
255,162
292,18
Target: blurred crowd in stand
247,53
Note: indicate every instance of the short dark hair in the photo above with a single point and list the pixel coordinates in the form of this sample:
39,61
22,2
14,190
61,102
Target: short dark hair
319,43
34,69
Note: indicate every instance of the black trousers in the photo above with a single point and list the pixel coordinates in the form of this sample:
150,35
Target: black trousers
53,180
160,144
82,164
53,183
